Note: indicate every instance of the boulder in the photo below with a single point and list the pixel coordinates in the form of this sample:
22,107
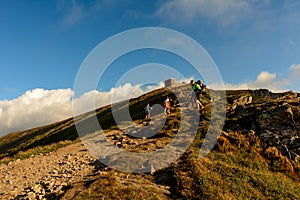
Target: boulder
242,101
270,138
262,93
278,119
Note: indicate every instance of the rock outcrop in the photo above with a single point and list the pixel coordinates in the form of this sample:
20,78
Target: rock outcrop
274,117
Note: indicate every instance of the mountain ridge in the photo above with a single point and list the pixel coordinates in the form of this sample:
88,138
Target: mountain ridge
260,135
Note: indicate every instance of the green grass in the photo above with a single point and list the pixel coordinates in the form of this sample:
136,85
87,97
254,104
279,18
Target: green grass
13,143
238,175
37,151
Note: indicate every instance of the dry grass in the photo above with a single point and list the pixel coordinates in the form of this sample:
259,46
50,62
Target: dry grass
239,167
37,151
116,185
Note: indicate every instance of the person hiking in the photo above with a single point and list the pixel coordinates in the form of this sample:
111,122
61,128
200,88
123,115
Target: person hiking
196,88
147,111
167,106
202,87
201,84
199,105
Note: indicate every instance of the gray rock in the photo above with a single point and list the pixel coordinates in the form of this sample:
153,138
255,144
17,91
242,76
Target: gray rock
295,157
270,138
294,143
242,101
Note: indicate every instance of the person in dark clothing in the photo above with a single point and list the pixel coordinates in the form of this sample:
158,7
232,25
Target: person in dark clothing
197,90
202,87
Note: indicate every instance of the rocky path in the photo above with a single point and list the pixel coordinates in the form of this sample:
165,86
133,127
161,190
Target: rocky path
60,174
46,176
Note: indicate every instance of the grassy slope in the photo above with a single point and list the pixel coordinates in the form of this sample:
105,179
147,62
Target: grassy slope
13,143
239,167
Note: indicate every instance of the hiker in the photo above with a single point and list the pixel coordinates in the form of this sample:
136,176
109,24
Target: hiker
202,87
167,106
196,88
147,111
199,105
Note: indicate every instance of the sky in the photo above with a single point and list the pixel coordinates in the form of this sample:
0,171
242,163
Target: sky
254,44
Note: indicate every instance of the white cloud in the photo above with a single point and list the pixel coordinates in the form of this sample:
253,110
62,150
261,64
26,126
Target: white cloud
34,108
120,93
221,12
295,76
40,107
153,87
295,70
268,80
265,77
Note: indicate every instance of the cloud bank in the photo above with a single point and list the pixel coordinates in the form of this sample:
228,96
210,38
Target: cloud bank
40,107
271,81
34,108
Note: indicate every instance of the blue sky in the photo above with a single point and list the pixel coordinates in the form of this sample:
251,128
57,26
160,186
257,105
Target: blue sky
254,43
44,43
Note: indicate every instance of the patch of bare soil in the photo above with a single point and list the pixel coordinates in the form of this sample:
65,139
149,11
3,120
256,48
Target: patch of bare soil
47,176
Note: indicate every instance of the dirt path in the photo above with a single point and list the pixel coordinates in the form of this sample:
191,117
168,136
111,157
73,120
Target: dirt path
66,171
46,176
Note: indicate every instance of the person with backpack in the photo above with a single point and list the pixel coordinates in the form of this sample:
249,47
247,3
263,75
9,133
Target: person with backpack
147,111
167,106
197,90
202,87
